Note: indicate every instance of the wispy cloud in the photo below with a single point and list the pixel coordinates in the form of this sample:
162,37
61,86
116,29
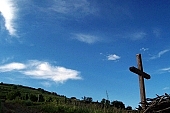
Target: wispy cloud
137,35
86,38
163,70
157,32
133,35
73,7
46,84
113,57
165,88
144,49
160,54
8,11
6,59
166,69
42,70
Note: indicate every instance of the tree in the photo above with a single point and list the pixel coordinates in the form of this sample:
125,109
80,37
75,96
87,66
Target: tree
103,101
26,97
128,108
118,104
41,98
41,90
33,98
73,98
14,87
49,99
107,103
87,99
54,93
13,94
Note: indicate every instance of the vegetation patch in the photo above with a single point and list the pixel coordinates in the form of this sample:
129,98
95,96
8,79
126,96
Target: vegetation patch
23,99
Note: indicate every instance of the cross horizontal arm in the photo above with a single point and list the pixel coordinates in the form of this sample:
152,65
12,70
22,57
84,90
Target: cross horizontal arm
139,72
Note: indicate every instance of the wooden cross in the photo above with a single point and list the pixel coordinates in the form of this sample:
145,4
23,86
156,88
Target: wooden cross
142,75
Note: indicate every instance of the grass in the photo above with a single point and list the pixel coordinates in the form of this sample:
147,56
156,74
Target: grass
53,103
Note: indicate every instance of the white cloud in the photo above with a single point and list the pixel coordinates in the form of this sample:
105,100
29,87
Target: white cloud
42,70
73,7
113,57
86,38
160,54
166,69
12,66
8,11
144,49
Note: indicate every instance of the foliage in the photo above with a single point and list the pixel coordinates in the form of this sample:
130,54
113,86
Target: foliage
41,98
51,102
118,104
33,98
128,108
13,94
28,103
87,99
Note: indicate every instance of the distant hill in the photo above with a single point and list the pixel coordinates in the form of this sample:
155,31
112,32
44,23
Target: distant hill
24,99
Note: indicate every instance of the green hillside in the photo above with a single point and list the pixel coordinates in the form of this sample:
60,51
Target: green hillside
23,99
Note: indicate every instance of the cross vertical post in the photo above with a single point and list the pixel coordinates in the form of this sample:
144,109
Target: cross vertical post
141,82
142,75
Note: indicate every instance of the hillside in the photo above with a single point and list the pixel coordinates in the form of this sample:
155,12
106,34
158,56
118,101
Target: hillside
23,99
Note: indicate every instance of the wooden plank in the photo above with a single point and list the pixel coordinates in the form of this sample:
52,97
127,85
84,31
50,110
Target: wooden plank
141,82
139,72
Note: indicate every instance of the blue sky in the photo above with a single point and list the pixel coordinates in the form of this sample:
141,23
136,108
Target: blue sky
85,47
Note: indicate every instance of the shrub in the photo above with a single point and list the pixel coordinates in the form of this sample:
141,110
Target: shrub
41,98
28,103
13,94
33,98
